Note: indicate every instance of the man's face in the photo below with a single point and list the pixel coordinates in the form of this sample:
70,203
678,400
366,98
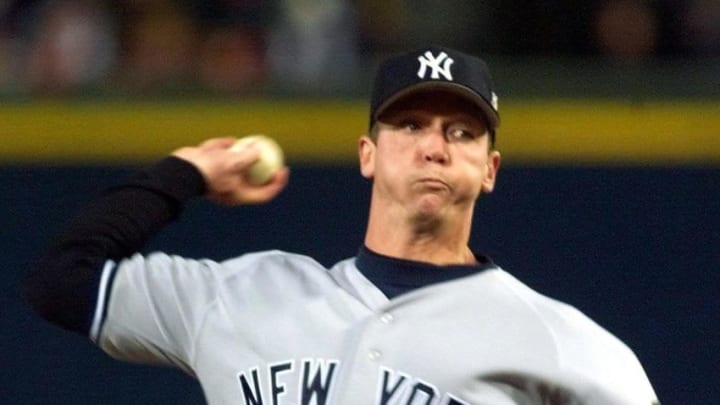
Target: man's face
431,155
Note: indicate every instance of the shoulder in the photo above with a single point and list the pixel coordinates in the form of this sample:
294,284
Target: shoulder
266,266
582,345
274,268
563,320
273,260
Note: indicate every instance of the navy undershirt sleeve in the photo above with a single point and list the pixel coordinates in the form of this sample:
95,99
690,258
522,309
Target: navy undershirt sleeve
62,285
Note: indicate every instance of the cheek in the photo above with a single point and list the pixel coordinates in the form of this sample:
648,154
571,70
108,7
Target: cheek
479,179
476,170
389,156
392,168
387,168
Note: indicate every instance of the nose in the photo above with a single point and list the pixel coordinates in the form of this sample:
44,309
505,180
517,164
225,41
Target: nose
434,146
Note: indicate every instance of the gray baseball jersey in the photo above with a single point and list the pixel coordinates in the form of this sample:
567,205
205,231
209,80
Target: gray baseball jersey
279,328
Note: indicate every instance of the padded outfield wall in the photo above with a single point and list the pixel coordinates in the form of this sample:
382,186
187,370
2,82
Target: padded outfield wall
608,205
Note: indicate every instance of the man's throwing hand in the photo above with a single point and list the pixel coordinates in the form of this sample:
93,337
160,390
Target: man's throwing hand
225,172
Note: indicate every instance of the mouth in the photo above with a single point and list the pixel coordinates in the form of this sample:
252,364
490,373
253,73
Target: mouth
433,183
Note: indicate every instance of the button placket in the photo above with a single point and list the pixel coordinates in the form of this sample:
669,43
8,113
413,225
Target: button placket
374,355
387,318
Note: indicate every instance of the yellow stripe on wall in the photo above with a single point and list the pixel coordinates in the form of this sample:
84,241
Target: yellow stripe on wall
612,132
541,131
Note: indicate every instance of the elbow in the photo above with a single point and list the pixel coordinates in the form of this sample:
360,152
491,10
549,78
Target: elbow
62,296
40,296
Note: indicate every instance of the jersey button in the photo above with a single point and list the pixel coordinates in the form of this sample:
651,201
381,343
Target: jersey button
387,318
374,355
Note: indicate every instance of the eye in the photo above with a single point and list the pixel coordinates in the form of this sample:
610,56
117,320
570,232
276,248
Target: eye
410,125
461,134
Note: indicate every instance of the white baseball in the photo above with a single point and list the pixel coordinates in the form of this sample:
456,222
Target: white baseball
270,160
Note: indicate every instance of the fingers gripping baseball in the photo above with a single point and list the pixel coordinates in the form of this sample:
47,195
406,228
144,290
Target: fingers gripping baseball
226,170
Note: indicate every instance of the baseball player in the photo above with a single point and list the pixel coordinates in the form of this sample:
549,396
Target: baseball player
417,317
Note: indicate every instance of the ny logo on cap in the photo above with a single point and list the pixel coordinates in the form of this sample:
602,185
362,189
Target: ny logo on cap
427,60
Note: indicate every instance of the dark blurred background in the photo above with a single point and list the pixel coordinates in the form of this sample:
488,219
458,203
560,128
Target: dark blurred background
248,46
607,199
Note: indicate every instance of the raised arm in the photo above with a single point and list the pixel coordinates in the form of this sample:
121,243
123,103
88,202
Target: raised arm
62,285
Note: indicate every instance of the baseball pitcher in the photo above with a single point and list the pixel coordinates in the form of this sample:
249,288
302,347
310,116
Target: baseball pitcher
416,317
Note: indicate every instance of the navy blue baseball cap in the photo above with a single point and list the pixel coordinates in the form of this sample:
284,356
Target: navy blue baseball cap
435,68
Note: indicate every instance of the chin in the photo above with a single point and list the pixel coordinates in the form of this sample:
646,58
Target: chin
431,204
428,212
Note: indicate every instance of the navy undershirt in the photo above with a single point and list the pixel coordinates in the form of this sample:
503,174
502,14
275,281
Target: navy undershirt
395,276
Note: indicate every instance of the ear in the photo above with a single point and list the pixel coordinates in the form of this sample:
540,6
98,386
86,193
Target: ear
493,165
366,153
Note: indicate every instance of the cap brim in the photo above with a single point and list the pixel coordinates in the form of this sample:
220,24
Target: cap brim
490,114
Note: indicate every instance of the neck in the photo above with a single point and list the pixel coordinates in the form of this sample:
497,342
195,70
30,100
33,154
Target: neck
425,240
